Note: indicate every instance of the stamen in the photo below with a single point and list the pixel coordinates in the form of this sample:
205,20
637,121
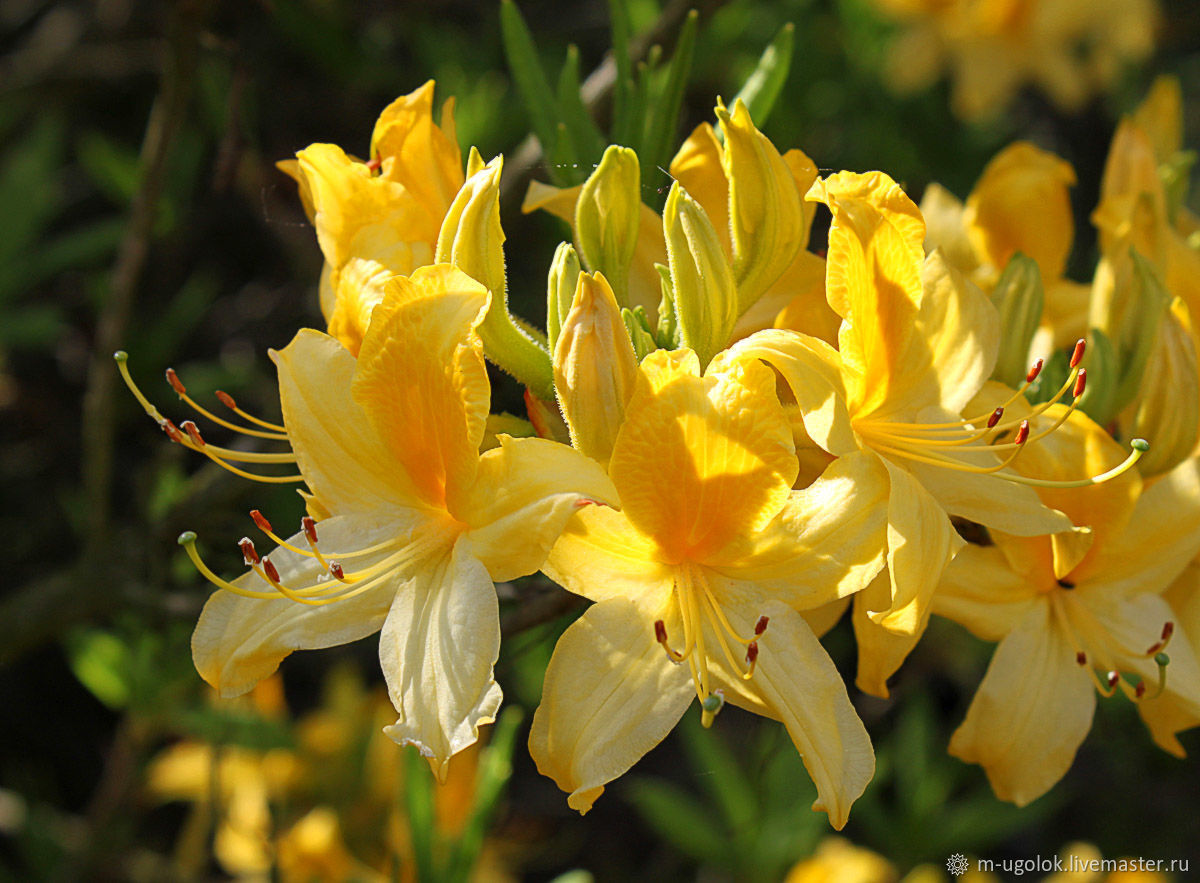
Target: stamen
1081,658
276,433
1139,446
249,553
1080,383
1168,630
336,570
761,625
227,400
995,418
176,383
261,521
1034,371
710,705
1077,355
193,432
1022,433
309,527
172,432
187,539
751,658
660,635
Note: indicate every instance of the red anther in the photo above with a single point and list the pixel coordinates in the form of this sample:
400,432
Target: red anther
1140,690
752,652
1114,678
193,432
336,570
310,529
270,570
995,418
226,399
375,165
660,631
172,431
249,553
1168,630
1081,658
1035,371
176,383
579,504
761,625
1077,356
261,521
1080,383
1022,432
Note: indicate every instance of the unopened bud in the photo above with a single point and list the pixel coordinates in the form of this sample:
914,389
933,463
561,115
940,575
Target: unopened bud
606,217
766,213
705,296
637,326
1018,297
594,368
561,283
1167,406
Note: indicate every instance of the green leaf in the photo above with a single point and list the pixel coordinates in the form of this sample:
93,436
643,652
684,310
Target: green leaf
720,775
679,818
113,168
522,56
101,661
623,122
763,86
663,117
417,797
586,136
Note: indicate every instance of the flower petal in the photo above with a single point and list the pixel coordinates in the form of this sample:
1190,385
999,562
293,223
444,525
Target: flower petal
701,460
981,592
422,381
437,648
921,542
524,494
344,461
239,641
827,542
610,696
796,682
880,652
1031,712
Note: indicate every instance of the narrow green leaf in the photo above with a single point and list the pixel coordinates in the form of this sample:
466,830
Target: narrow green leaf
562,160
763,86
418,804
521,54
663,117
622,127
721,776
585,135
680,819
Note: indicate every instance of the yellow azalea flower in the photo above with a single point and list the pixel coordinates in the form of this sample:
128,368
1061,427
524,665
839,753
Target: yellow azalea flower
752,194
1073,614
1072,49
420,523
380,217
697,580
917,342
839,861
1165,714
1020,204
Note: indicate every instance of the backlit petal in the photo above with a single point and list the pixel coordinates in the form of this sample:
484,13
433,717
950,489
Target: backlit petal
1031,712
422,381
437,648
980,591
524,494
610,695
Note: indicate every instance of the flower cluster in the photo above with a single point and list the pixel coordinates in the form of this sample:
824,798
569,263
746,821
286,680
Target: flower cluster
732,439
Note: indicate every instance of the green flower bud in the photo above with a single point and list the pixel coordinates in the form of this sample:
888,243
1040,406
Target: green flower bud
561,283
606,217
1018,297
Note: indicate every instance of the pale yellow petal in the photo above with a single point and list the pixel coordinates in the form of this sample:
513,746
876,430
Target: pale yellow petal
524,494
422,381
945,227
701,460
344,461
1031,712
981,592
799,685
698,169
1164,714
610,695
827,542
813,371
880,652
806,310
600,555
437,648
921,542
238,641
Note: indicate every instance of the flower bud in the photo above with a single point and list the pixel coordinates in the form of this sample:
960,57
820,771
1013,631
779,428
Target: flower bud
1018,297
560,289
766,212
1167,410
705,295
606,217
637,325
594,368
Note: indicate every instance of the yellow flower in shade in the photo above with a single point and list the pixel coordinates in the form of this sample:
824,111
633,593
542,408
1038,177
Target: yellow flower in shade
697,581
916,344
419,522
1165,714
1074,614
839,861
753,195
379,217
1071,49
1020,204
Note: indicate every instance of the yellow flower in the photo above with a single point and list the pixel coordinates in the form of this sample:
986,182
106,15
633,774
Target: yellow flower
1074,613
697,580
420,523
917,341
1072,49
379,218
839,861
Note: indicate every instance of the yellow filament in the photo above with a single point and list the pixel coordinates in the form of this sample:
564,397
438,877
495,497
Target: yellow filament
266,479
279,435
337,556
189,546
266,424
247,456
952,464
